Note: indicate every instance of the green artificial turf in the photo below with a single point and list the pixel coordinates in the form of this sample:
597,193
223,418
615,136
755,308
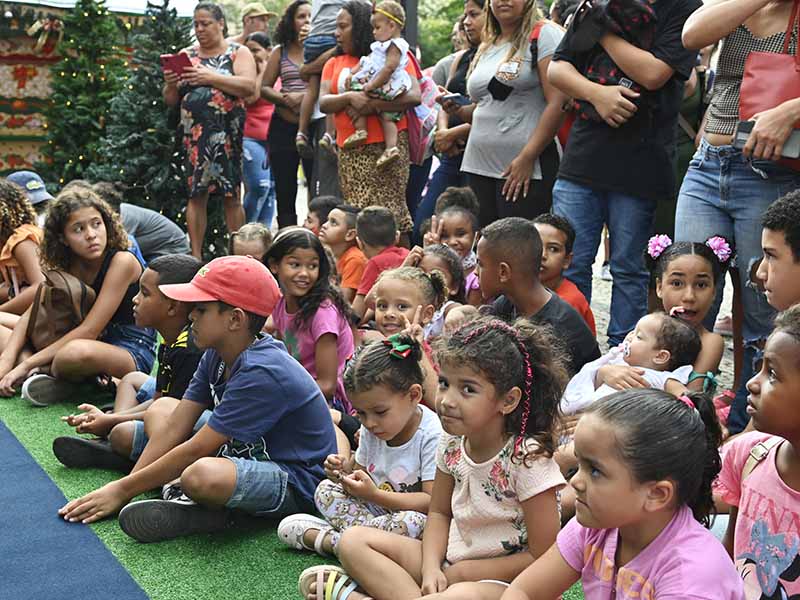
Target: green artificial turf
244,563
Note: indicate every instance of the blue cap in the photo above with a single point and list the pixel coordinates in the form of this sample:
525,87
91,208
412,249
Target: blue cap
32,184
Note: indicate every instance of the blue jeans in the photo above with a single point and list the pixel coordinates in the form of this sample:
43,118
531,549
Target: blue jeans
259,198
448,174
147,391
417,178
723,193
630,223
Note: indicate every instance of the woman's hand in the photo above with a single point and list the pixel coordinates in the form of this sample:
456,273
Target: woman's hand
171,78
293,100
359,105
443,141
11,379
621,377
569,423
518,177
433,581
199,76
769,134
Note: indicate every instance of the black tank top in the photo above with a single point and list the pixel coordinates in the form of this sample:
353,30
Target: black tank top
124,314
457,84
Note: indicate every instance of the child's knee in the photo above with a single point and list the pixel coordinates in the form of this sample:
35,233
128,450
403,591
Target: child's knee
157,413
121,438
204,479
327,491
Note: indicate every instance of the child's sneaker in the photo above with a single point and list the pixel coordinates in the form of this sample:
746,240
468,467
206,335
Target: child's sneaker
44,390
293,528
82,453
157,520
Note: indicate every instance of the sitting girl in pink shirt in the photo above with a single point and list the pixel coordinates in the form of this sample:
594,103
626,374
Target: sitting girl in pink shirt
646,462
760,476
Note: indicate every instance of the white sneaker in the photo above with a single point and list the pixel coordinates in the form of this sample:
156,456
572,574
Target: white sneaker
44,390
292,529
605,273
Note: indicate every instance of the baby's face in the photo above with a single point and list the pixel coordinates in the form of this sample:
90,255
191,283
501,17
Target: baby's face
383,29
640,346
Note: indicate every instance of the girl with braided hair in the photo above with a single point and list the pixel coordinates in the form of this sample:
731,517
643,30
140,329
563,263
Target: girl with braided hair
494,505
20,238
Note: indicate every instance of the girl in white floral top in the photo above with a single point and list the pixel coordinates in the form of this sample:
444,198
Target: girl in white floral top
494,506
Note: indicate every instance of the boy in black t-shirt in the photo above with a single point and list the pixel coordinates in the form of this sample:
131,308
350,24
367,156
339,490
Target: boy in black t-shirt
120,433
618,162
509,260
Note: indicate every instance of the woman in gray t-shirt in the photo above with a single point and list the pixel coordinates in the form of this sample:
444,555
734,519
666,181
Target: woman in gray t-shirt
511,157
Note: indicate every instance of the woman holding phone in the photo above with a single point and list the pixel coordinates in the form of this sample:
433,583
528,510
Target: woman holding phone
211,95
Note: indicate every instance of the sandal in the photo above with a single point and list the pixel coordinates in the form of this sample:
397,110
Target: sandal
332,583
356,140
303,145
292,529
388,157
327,143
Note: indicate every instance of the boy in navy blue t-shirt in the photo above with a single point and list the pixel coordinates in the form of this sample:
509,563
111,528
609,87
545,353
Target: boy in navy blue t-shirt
265,427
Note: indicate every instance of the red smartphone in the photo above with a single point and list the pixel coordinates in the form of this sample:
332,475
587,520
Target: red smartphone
175,62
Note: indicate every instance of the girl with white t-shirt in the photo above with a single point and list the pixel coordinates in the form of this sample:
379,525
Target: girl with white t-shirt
646,461
494,506
387,482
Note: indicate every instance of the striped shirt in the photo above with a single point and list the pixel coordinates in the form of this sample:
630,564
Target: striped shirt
290,74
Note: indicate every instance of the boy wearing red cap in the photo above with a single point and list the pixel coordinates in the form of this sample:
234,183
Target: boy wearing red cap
264,427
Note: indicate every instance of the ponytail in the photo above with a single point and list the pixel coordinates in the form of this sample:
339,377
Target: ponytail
393,362
664,437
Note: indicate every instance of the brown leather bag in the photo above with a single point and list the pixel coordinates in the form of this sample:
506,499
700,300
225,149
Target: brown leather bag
61,303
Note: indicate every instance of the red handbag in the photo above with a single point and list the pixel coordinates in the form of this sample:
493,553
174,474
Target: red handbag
770,79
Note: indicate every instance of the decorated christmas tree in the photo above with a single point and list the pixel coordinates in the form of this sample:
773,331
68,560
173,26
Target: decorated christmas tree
140,150
85,80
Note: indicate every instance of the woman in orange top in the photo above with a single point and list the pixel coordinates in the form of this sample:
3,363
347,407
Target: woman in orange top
362,183
20,273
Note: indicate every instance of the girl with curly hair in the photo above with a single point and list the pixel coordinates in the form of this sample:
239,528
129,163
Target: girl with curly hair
20,239
284,63
494,505
84,237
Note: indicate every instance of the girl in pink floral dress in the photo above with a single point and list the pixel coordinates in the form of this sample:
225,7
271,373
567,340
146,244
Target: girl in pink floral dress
494,506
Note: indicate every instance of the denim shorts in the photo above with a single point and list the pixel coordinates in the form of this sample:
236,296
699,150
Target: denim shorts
140,438
262,489
147,391
139,342
315,45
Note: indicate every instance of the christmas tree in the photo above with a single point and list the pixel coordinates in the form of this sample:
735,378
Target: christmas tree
84,82
140,150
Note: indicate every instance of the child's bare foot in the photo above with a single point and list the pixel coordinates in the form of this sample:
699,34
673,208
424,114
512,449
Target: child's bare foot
328,581
388,157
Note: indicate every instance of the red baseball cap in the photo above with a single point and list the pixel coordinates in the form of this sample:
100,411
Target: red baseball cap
241,281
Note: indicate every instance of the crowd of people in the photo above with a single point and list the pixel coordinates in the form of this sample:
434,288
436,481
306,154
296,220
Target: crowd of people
410,381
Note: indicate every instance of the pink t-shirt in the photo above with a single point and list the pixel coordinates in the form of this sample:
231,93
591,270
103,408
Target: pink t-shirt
302,344
766,540
685,562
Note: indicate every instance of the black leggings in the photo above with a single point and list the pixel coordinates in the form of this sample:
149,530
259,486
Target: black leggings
283,160
493,204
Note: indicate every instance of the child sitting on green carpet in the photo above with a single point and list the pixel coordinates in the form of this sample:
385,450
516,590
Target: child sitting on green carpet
266,431
120,434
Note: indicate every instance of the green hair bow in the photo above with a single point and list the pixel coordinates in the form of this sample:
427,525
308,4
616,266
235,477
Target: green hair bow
400,349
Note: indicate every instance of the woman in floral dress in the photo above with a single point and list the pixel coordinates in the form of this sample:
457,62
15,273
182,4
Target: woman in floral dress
211,95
